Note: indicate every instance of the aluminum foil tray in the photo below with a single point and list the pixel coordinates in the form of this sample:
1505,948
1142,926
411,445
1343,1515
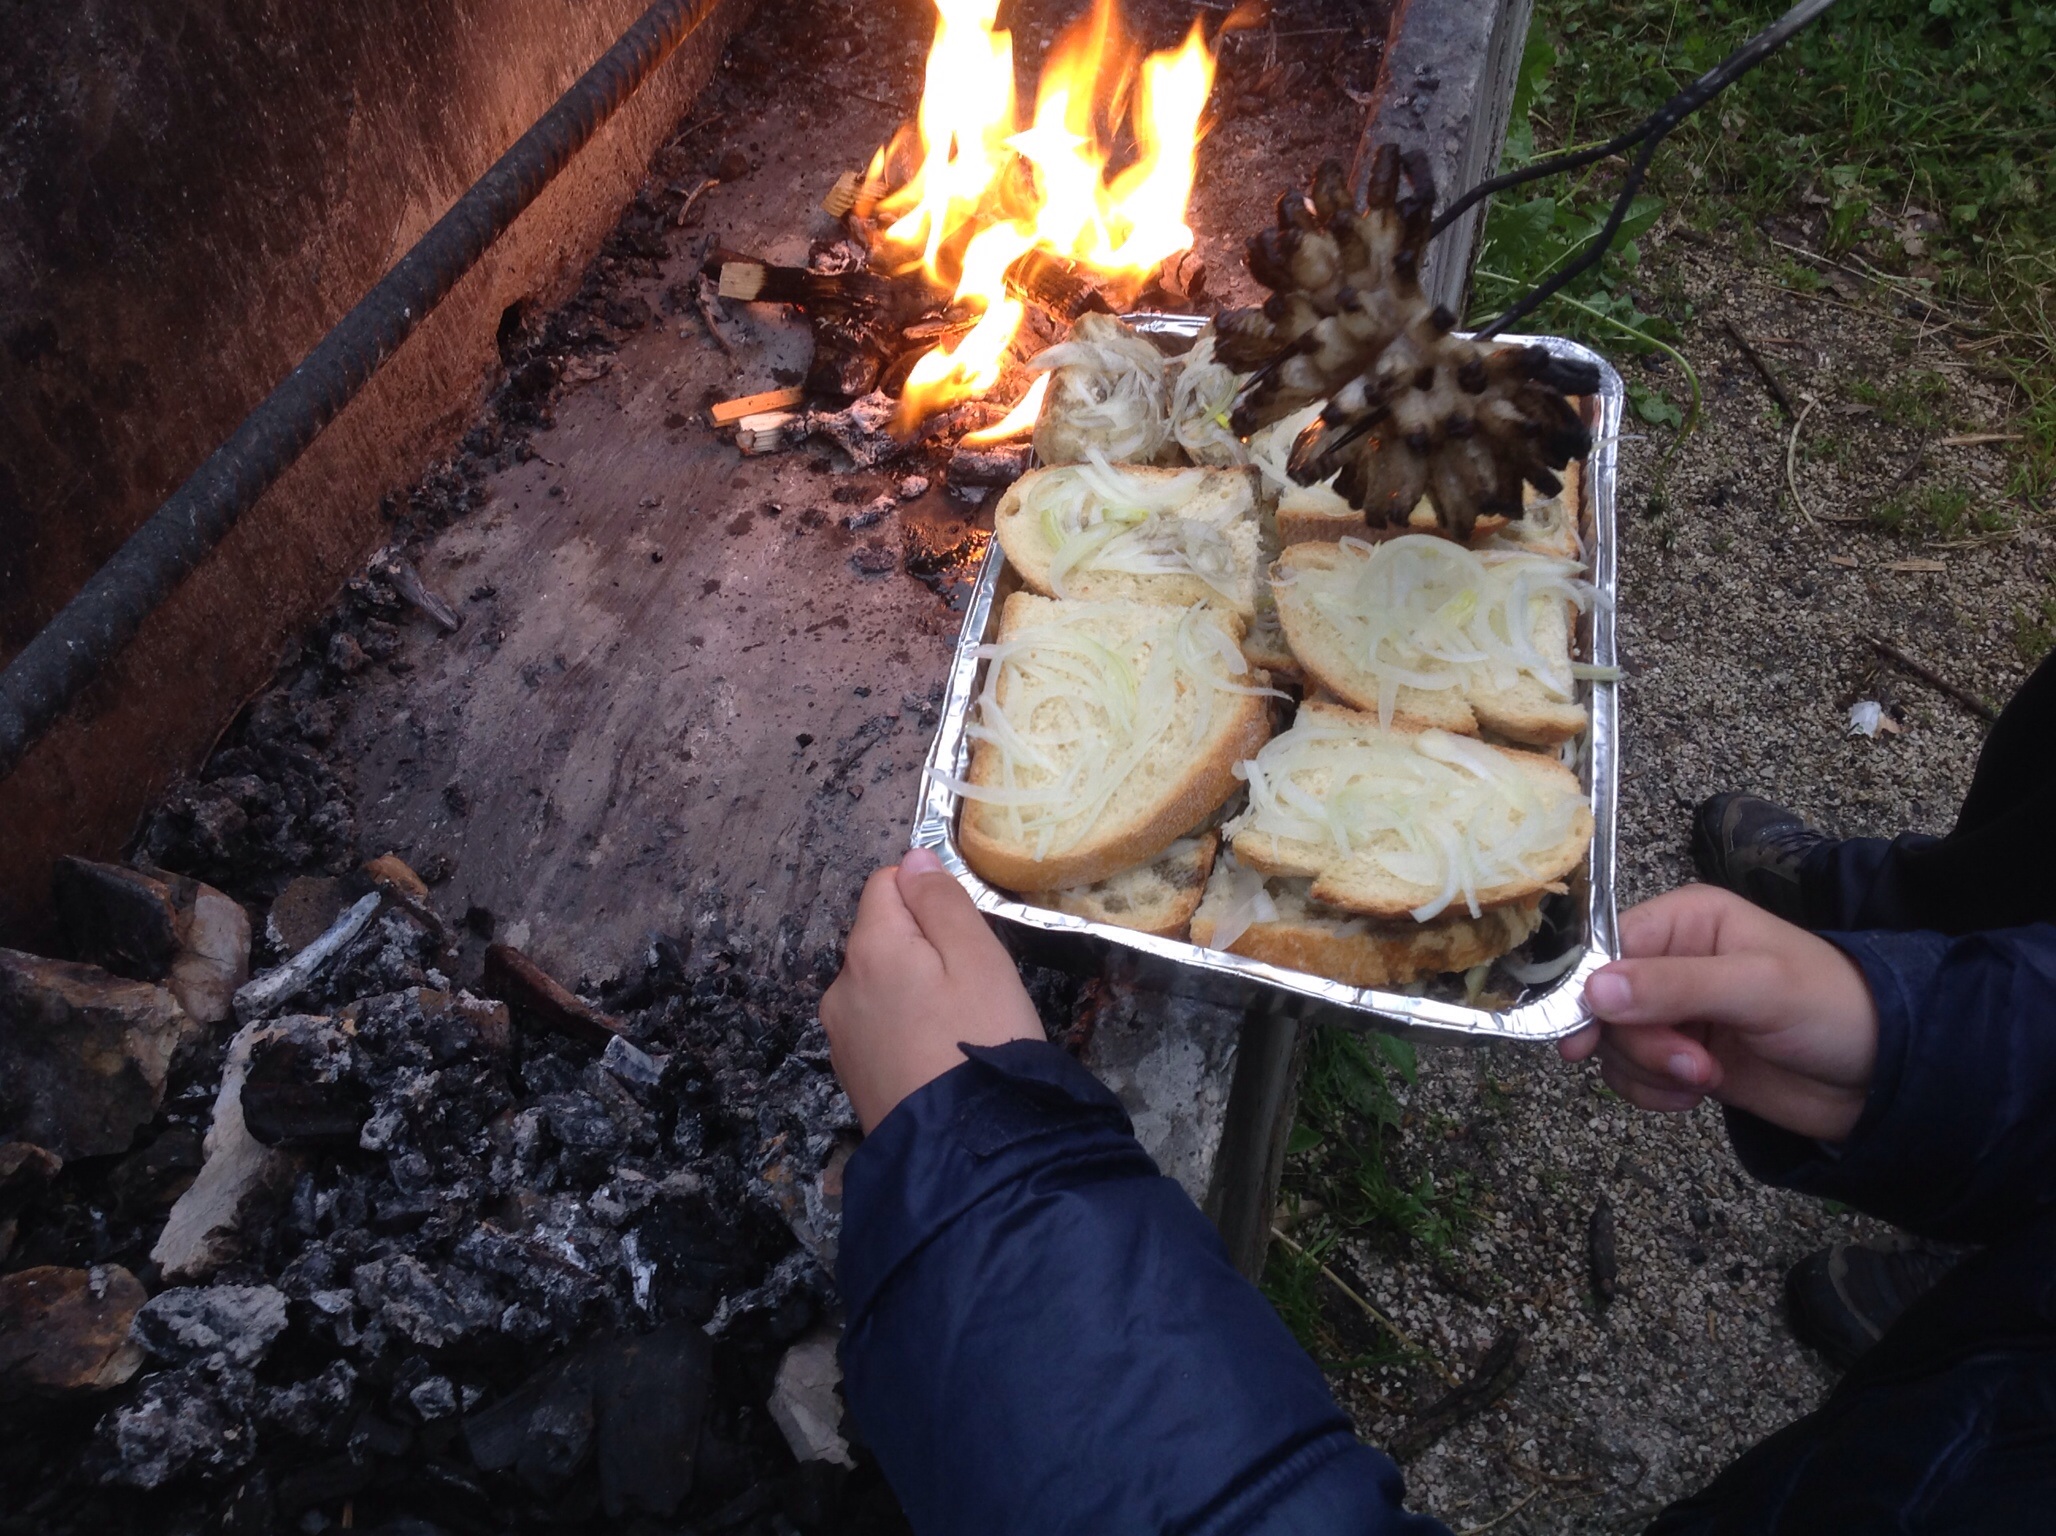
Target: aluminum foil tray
1578,929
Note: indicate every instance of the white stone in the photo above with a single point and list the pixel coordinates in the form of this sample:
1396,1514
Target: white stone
806,1399
205,1226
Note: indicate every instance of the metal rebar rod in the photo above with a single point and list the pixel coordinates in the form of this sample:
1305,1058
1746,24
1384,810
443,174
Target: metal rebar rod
76,645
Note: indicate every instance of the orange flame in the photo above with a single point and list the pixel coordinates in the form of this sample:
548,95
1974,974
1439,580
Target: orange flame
988,190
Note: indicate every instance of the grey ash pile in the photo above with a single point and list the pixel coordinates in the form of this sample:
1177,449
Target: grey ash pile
347,1246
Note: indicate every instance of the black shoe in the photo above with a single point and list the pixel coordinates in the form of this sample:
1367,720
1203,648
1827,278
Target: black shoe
1754,848
1843,1298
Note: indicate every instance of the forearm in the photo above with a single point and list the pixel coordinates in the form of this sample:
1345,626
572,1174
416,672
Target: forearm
1045,1335
1957,1139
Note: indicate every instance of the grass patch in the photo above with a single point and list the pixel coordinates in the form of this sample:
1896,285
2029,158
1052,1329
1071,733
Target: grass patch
2034,634
1946,511
1327,1324
1921,133
1915,399
1340,1158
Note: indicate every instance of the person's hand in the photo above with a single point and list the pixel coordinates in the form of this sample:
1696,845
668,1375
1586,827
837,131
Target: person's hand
1716,998
921,974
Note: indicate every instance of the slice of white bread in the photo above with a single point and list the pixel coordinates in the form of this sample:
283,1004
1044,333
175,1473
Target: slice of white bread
1105,732
1279,922
1101,532
1110,394
1434,821
1343,604
1156,898
1316,514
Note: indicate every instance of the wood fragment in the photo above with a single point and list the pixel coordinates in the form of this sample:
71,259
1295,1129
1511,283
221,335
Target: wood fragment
842,197
1503,1516
727,413
869,195
417,594
1976,439
1791,458
750,281
527,988
1053,284
1370,1311
1502,1367
1764,370
1930,567
1600,1251
1932,678
704,296
767,432
988,466
694,196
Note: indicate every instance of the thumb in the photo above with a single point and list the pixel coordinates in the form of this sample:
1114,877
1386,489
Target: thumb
1749,992
949,919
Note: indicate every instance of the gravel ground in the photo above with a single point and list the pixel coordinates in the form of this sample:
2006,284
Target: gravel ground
1742,621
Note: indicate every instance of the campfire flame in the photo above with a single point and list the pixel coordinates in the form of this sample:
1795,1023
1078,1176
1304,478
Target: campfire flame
987,190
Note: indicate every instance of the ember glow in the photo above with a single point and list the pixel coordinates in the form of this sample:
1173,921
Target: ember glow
988,188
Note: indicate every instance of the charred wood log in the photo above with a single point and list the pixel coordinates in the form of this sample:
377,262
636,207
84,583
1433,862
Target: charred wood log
1054,284
532,992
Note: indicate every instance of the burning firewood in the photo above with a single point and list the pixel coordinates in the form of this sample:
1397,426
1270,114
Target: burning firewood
1413,409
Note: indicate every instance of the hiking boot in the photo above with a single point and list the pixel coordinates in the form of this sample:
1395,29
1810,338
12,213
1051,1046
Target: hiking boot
1843,1298
1754,848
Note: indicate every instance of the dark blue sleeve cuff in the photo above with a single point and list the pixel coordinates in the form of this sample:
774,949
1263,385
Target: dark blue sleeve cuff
1044,1334
952,1142
1955,1139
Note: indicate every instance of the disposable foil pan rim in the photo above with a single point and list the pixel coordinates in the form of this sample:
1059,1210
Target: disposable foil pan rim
1547,1012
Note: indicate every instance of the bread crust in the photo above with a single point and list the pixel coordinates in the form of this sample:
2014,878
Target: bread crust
1027,551
1311,525
1164,912
1199,790
1338,883
1390,956
1539,721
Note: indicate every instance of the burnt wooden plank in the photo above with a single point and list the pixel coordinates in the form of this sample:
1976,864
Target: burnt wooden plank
1445,88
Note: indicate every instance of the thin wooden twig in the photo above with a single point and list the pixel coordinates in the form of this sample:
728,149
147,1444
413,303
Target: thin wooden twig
1503,1516
1932,678
1771,381
694,196
1390,1327
1791,460
704,293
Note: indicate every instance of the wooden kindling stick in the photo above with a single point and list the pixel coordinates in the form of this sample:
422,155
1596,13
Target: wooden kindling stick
1932,678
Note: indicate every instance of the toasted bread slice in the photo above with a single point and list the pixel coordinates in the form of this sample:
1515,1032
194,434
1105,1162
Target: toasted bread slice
1111,395
1433,820
1316,514
1357,614
1278,922
1178,536
1106,732
1156,898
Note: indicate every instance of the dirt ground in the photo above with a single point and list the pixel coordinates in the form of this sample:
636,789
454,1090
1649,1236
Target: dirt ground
1743,622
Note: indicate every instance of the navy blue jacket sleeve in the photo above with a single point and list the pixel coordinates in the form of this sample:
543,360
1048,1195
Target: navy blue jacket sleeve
1957,1140
1044,1335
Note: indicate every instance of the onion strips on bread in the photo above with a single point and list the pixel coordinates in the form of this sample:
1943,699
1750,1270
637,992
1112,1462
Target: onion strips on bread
1395,823
1109,393
1422,631
1277,920
1099,531
1105,731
